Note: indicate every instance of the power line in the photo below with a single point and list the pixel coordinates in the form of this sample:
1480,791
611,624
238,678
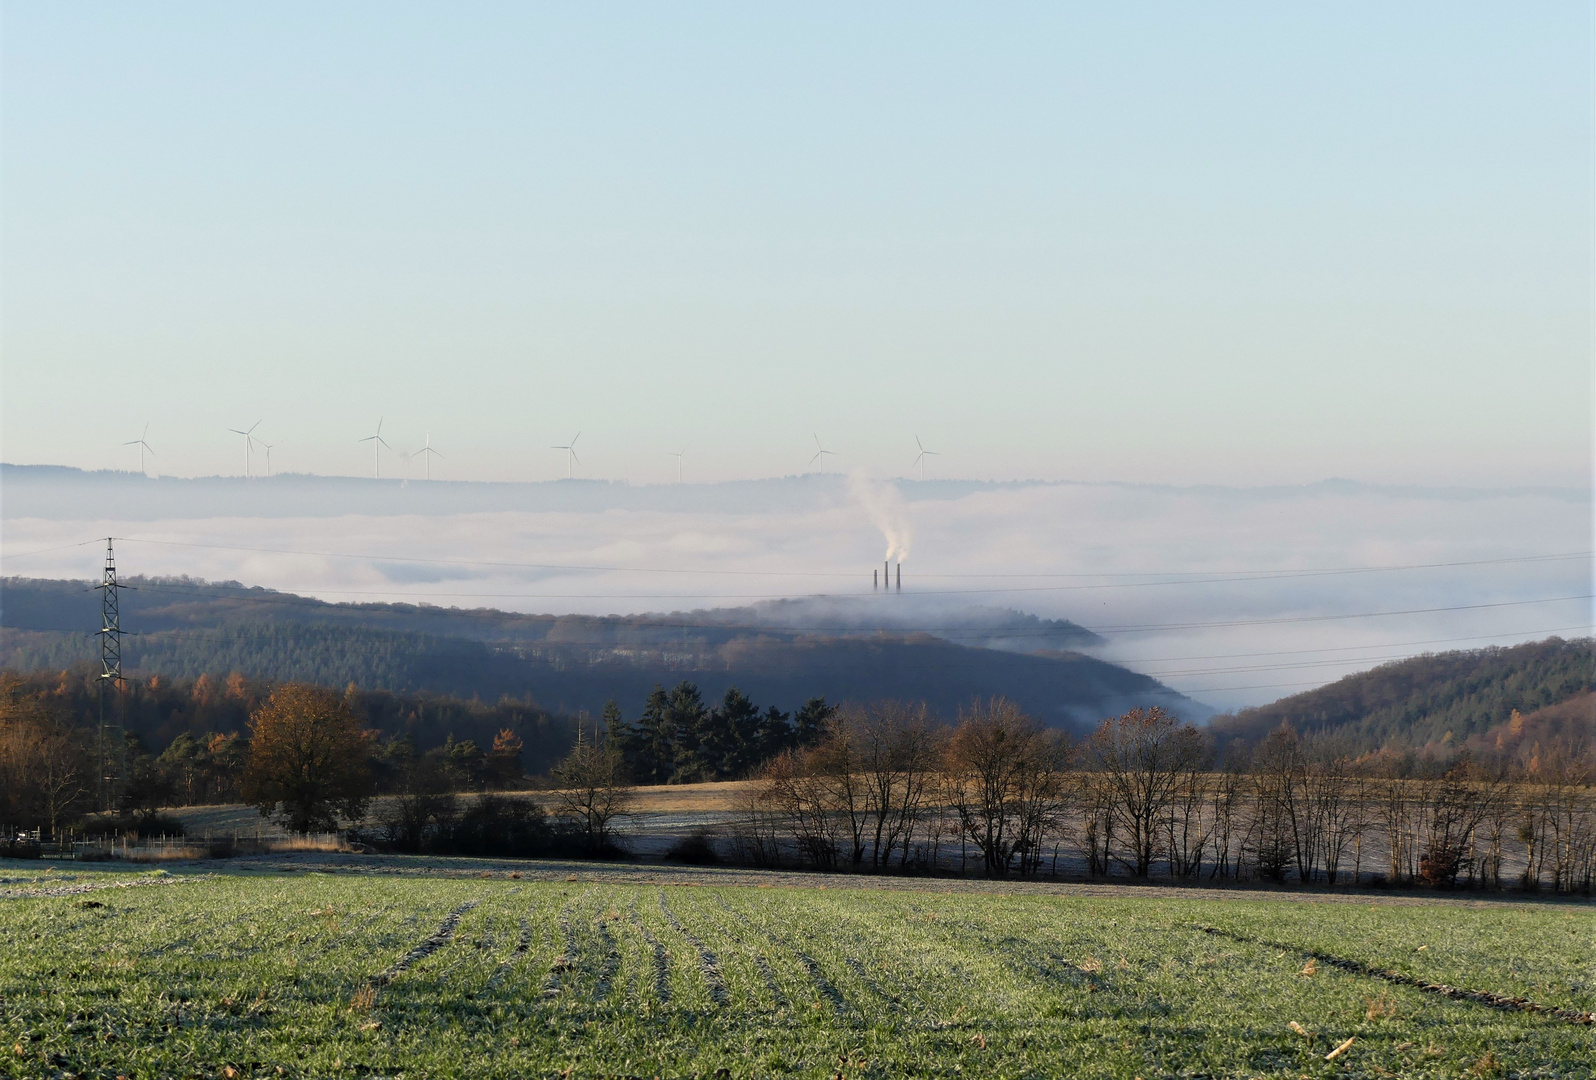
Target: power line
1351,648
42,551
1149,627
1254,686
1193,673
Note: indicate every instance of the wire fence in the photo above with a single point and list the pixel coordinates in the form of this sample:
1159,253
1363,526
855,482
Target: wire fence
134,847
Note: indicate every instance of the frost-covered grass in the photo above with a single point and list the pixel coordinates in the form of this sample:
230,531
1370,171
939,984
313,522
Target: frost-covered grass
319,975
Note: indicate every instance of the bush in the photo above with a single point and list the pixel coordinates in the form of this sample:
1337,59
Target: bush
133,826
18,847
497,825
695,849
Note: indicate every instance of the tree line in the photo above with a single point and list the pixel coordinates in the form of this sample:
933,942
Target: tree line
49,753
884,787
394,744
1144,795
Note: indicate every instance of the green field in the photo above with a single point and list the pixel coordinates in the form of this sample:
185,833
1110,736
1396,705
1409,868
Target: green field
319,974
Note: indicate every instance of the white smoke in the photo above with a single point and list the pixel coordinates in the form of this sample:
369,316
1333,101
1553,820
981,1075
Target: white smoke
886,509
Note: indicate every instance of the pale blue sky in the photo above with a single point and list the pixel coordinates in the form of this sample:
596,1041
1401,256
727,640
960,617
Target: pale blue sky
1253,244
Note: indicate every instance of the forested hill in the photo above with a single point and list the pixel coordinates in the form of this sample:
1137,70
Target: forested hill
567,664
1437,701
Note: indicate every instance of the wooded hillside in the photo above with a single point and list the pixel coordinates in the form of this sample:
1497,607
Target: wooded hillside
1437,702
181,628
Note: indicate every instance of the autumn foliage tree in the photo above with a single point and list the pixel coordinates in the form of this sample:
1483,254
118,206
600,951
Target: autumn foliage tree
503,767
308,759
46,774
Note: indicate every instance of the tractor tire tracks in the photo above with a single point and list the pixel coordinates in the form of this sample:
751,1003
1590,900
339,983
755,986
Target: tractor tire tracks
1397,978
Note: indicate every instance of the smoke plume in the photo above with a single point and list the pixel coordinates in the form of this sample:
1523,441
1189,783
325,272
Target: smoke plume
887,510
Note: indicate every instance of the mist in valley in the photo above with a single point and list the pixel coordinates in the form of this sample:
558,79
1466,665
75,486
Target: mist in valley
1231,595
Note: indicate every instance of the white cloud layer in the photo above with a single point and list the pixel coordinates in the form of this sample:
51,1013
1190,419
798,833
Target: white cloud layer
1187,584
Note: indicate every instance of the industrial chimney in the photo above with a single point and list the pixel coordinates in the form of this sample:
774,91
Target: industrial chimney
875,581
900,577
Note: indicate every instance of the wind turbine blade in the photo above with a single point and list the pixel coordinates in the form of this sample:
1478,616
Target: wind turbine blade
384,442
252,428
578,435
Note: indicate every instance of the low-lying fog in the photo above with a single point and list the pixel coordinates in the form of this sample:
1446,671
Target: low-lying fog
1231,595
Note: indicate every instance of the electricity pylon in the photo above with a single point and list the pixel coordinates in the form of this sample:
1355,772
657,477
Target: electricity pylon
113,744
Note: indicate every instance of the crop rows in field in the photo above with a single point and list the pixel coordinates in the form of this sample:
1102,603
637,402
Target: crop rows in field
320,975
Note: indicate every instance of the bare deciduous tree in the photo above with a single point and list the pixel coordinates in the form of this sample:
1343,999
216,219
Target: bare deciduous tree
594,788
1005,781
1141,758
898,753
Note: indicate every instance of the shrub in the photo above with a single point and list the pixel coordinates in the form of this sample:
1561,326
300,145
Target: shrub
695,849
133,826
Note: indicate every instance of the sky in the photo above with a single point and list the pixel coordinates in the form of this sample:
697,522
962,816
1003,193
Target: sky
1248,244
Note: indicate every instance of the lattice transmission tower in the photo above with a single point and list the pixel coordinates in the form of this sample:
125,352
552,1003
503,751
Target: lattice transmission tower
112,742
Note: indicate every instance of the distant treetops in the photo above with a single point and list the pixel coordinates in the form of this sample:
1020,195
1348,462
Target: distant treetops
679,739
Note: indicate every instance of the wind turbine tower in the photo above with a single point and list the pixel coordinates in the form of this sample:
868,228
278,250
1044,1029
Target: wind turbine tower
428,453
249,437
377,443
677,454
571,460
143,446
820,452
919,459
266,446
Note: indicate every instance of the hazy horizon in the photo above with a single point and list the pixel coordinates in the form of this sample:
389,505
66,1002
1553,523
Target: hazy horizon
1232,596
1142,281
1245,246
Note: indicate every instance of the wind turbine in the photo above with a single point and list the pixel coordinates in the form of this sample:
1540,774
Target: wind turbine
249,437
571,460
377,443
919,459
677,454
143,446
428,453
266,446
820,451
